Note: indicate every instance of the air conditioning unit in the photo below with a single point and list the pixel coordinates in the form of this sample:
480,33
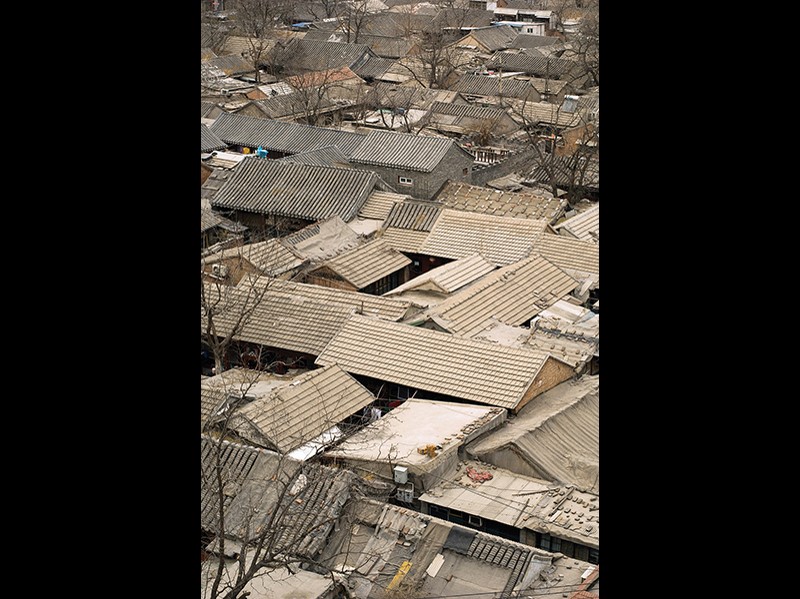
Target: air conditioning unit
219,270
400,475
406,494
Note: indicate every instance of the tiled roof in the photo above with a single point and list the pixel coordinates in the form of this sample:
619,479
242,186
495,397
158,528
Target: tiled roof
513,295
210,142
379,204
414,216
501,240
206,107
328,156
584,226
295,103
402,150
391,95
295,190
296,413
278,136
492,38
522,502
210,401
527,40
367,263
534,63
325,77
269,256
550,86
405,240
372,67
468,110
314,55
231,64
433,361
363,303
473,198
561,422
449,277
572,343
260,485
481,85
551,114
567,171
279,320
570,254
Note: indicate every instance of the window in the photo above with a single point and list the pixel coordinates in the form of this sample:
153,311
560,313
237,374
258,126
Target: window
475,520
465,171
405,181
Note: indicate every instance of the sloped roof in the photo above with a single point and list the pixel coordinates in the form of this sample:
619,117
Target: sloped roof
481,85
380,203
528,40
584,226
231,64
550,86
363,303
261,484
555,438
372,67
210,401
243,46
270,256
324,77
491,38
278,136
413,215
433,361
574,343
473,198
568,170
314,55
295,190
534,63
405,240
295,103
513,295
367,263
449,277
210,219
402,150
468,110
460,17
300,410
570,254
549,113
499,239
322,240
279,320
391,95
208,141
327,156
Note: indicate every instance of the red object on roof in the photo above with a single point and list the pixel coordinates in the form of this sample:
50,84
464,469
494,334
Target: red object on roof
477,475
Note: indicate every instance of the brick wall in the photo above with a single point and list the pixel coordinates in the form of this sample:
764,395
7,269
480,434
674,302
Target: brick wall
552,373
520,161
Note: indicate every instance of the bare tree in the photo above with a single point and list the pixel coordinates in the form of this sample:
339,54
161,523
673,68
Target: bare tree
257,20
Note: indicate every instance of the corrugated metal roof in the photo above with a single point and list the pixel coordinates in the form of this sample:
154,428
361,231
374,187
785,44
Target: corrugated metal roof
293,323
501,240
481,85
295,190
367,263
278,136
402,150
450,277
363,303
584,226
414,216
380,203
208,141
473,198
570,254
301,410
512,295
433,361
